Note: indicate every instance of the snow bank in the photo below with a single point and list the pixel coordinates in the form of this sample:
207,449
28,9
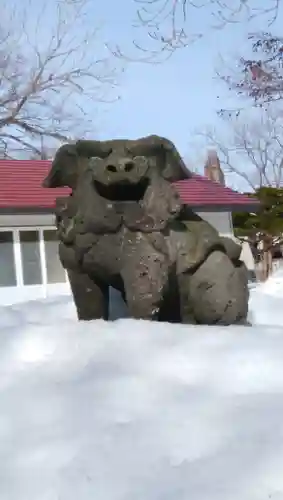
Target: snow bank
274,285
132,410
266,305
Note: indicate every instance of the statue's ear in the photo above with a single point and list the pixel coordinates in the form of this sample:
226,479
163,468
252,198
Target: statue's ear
173,167
64,168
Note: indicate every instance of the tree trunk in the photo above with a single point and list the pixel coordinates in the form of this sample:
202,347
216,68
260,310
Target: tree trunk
267,257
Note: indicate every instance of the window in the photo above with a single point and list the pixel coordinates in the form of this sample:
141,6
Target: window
30,257
7,261
54,270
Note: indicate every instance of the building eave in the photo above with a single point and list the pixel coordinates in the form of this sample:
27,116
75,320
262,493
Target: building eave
26,210
253,207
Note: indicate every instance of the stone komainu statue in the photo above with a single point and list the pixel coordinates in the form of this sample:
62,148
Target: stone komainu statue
125,226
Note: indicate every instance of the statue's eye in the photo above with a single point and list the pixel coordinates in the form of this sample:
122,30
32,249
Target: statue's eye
147,151
104,154
94,160
140,159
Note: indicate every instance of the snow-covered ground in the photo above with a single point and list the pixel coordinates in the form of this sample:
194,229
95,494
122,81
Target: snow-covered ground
132,410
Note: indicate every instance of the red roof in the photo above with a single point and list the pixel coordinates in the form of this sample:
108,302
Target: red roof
200,191
20,187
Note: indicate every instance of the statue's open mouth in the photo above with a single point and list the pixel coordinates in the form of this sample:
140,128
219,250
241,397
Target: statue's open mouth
122,191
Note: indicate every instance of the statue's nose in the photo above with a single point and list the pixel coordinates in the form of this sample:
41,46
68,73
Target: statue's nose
123,165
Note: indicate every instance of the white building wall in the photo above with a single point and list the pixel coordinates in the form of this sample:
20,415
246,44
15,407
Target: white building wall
26,220
23,292
222,221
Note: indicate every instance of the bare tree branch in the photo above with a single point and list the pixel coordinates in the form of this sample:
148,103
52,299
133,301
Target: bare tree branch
170,24
252,149
50,81
260,78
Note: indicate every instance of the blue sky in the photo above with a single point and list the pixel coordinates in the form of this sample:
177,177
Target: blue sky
178,97
171,99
